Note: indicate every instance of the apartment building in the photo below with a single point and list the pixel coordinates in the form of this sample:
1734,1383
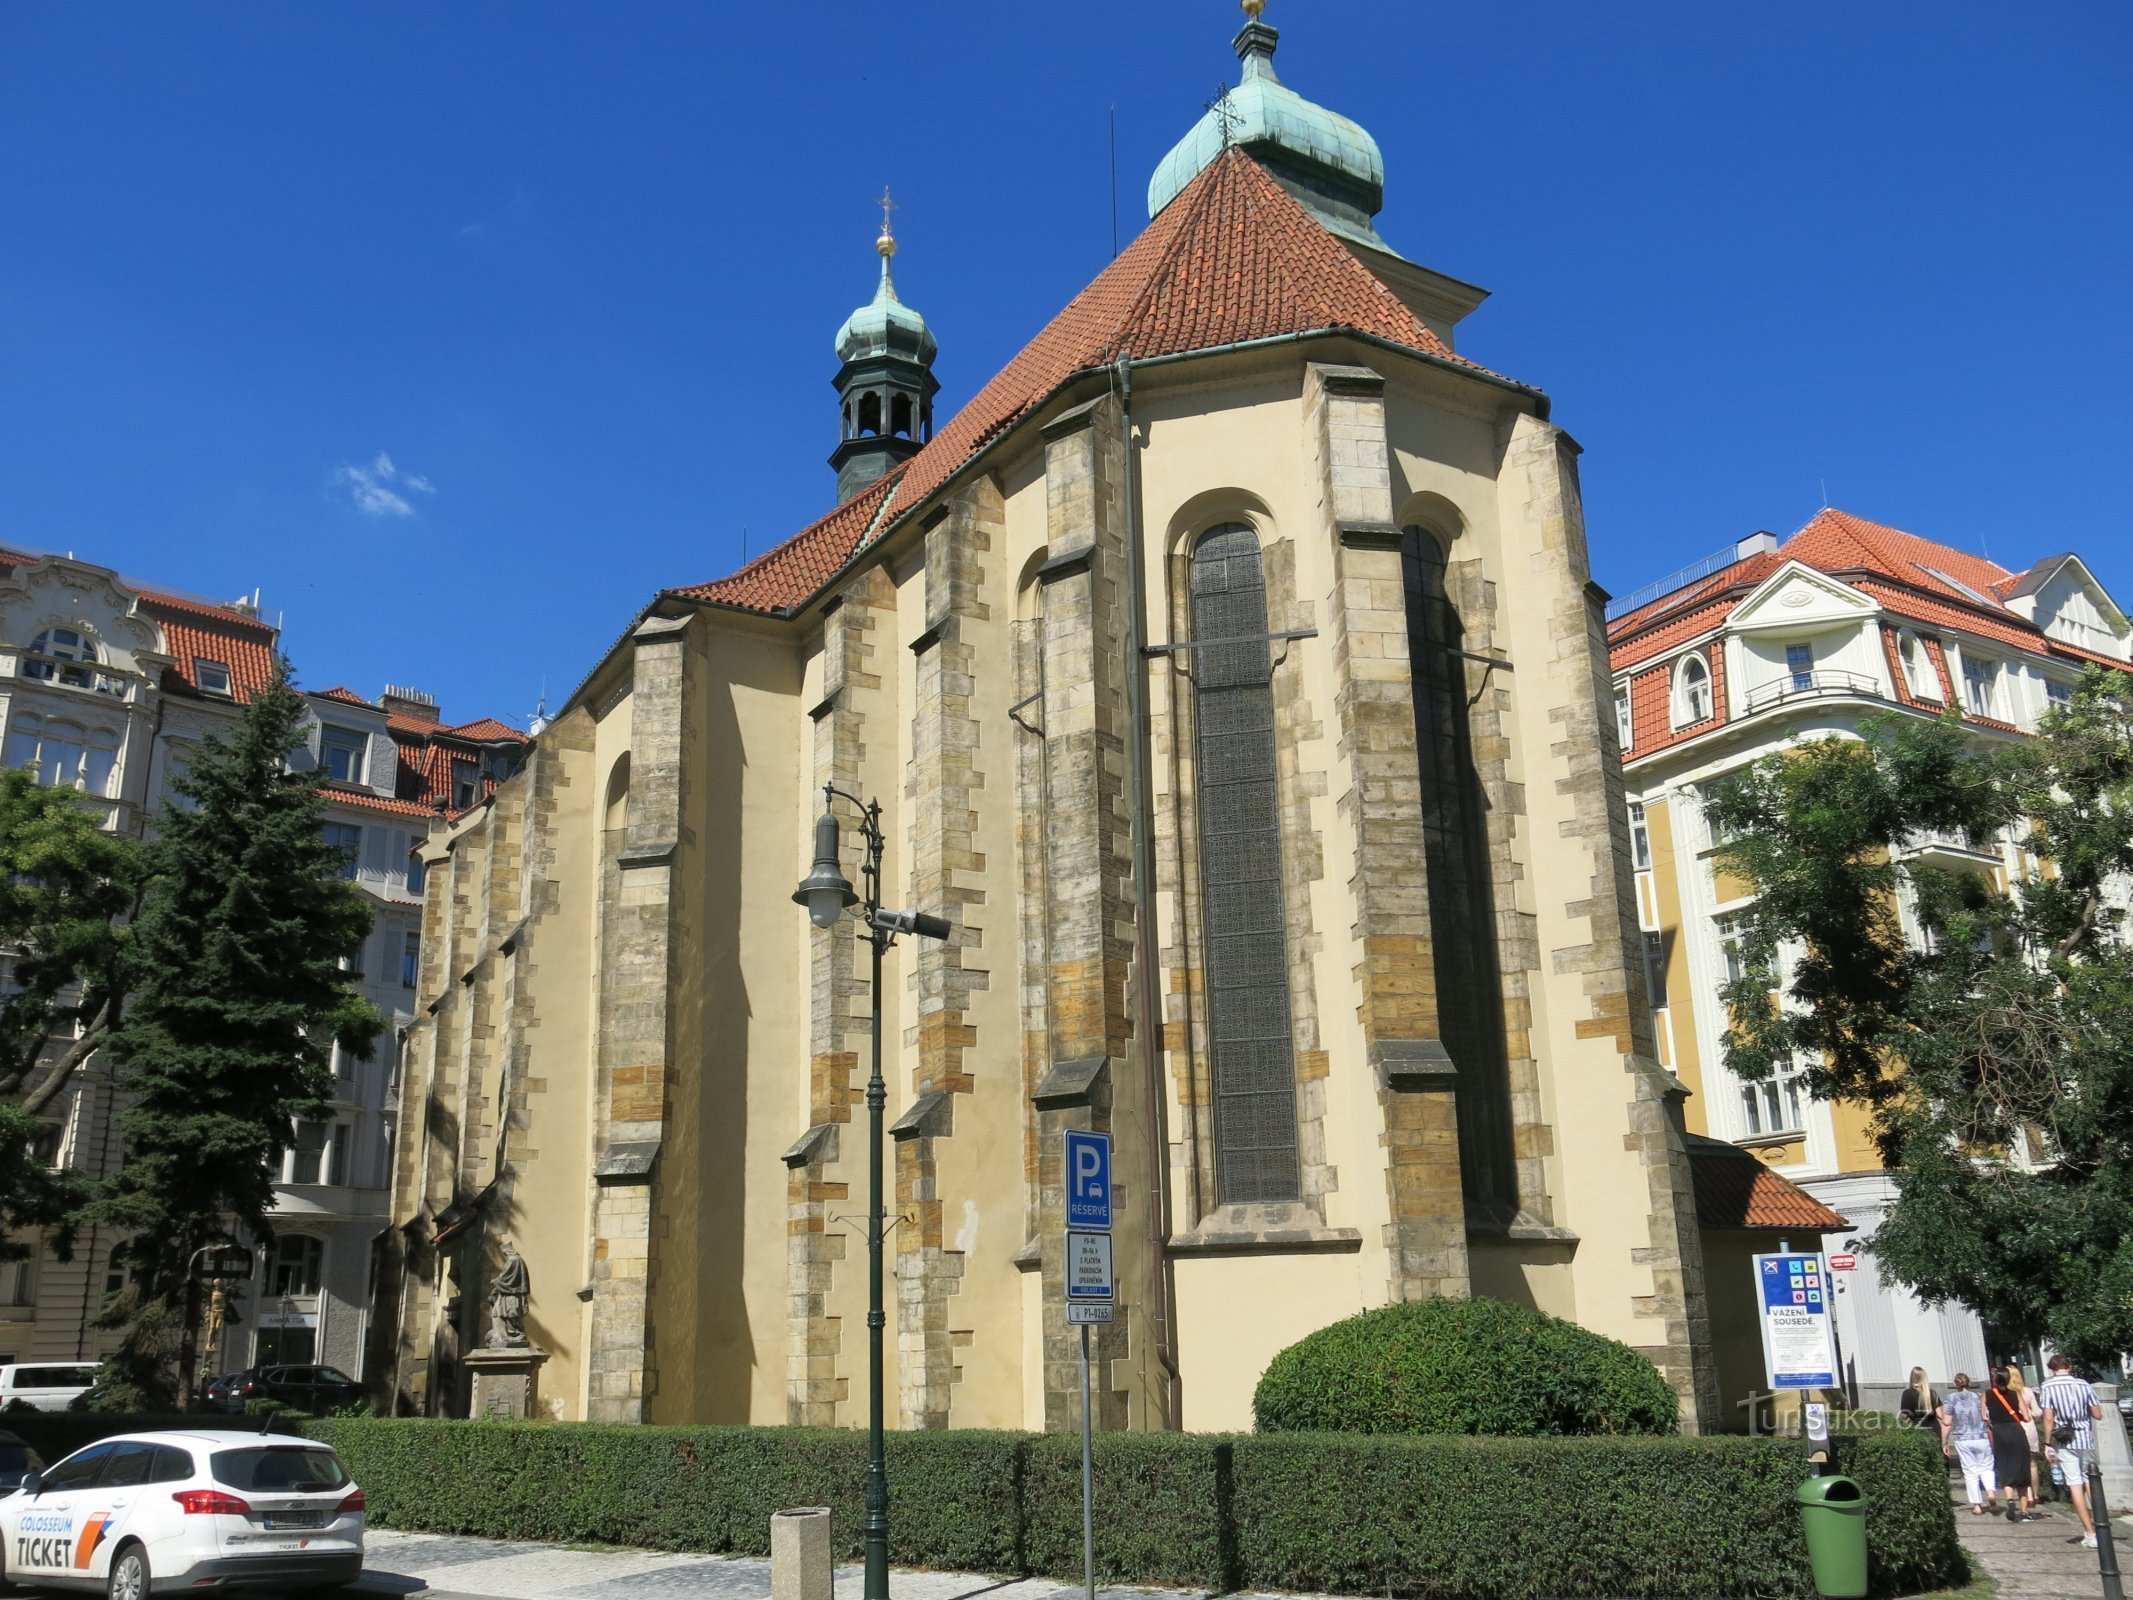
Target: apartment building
1762,646
108,686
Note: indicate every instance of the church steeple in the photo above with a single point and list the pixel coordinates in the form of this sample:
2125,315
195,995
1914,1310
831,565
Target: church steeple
885,382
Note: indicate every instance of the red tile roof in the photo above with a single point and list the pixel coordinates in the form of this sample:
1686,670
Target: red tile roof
484,730
338,692
1735,1190
1912,579
1234,258
365,800
195,633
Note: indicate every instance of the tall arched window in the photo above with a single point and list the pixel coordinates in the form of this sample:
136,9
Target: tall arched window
1244,925
1692,692
1918,667
1462,901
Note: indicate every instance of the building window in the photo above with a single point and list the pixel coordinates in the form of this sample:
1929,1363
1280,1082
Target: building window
1692,692
65,655
466,785
1625,729
1716,789
65,754
2059,695
1918,667
410,960
299,1262
417,874
1640,837
342,752
18,1282
1981,686
1800,665
337,1154
1245,924
1455,846
1655,967
1777,1105
347,837
212,677
306,1155
1735,965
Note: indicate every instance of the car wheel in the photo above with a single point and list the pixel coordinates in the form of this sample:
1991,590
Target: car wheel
129,1574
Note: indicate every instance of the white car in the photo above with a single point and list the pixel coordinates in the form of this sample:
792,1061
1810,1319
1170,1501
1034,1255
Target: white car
151,1513
46,1385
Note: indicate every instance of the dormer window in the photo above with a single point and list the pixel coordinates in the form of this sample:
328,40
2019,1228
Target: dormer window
211,677
1918,667
1692,692
343,752
1625,729
1981,686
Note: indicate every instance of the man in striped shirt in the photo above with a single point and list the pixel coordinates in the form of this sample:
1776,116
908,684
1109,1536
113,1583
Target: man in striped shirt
2070,1403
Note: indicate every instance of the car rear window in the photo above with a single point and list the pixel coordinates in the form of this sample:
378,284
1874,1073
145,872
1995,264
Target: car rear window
293,1467
16,1458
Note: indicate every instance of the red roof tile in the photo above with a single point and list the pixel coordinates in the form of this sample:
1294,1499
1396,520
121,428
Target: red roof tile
1235,257
1837,541
339,692
1735,1190
197,634
364,800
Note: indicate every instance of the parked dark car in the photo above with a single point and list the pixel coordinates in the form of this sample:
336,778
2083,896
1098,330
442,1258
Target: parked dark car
301,1388
16,1459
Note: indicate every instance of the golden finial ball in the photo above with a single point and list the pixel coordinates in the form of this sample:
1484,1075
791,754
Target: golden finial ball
1252,8
886,244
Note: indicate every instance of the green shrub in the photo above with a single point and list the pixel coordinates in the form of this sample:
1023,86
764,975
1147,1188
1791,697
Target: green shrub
1443,1517
1461,1366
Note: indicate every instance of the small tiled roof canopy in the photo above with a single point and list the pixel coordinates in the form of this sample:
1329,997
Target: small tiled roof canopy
1234,258
1735,1190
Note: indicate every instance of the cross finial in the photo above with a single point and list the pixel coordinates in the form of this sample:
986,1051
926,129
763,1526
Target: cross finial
886,244
1226,117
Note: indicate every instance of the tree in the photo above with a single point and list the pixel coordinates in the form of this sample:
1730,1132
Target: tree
237,996
1994,1048
65,887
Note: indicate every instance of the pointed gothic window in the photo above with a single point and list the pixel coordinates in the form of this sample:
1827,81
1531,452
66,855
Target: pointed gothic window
1455,842
1245,925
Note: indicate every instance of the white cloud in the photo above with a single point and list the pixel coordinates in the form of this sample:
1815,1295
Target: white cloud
376,490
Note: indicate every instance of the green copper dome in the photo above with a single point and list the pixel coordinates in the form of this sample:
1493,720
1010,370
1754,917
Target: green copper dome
1325,160
885,326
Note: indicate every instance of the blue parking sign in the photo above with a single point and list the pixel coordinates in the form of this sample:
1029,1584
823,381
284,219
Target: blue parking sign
1088,1179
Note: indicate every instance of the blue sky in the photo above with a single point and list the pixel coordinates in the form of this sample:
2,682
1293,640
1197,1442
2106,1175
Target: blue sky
573,271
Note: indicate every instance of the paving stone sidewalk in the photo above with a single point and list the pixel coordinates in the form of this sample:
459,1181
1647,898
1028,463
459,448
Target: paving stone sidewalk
418,1564
2040,1560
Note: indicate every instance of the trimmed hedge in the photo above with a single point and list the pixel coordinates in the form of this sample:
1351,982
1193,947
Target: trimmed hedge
1444,1517
1461,1366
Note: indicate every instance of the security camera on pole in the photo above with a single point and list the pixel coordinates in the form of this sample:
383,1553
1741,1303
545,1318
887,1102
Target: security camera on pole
1092,1293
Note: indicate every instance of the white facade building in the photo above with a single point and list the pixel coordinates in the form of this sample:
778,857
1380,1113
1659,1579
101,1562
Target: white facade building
1752,653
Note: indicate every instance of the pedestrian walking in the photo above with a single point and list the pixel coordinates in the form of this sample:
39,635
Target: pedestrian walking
1920,1407
2010,1440
1964,1436
2070,1407
2039,1471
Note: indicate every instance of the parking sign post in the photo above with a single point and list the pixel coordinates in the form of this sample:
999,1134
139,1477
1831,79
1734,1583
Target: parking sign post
1091,1292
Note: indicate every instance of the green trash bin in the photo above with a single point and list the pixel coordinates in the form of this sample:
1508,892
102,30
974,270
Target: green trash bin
1834,1512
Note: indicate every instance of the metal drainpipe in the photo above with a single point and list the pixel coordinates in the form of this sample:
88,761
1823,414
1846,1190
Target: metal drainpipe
1149,1029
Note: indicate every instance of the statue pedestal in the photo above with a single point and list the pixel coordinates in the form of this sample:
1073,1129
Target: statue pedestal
506,1382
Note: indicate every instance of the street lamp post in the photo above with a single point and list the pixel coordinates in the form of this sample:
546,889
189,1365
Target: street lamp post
828,894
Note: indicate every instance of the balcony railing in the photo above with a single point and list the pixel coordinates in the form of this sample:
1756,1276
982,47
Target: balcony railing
1921,840
77,675
1808,685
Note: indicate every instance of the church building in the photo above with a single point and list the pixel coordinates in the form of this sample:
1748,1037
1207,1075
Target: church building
1230,678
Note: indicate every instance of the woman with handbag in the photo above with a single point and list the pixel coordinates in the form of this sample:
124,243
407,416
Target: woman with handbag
2012,1435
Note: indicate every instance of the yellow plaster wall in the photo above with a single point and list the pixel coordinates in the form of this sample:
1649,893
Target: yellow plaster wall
1236,1313
1668,865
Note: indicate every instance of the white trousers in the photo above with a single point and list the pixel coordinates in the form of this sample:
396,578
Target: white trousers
1975,1458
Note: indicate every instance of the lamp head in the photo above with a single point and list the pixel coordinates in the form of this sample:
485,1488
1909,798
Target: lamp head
825,891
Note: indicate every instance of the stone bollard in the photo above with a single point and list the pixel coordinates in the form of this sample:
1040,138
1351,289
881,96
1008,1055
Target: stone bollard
800,1554
2114,1463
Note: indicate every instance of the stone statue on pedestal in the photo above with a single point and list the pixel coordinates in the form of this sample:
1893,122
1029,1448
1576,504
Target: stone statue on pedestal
507,1305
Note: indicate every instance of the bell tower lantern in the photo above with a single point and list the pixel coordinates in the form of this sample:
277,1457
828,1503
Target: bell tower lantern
885,383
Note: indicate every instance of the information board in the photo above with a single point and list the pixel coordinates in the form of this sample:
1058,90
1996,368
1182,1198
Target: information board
1792,1293
1088,1266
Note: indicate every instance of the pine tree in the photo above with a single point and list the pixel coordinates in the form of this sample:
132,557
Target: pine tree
66,886
237,997
1993,1041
